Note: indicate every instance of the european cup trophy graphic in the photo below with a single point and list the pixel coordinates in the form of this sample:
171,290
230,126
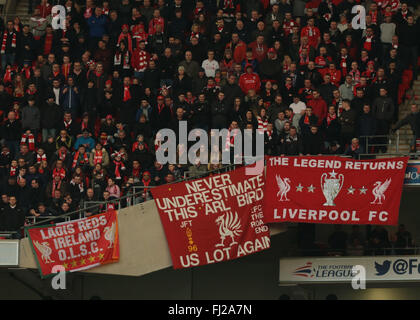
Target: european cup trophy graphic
331,186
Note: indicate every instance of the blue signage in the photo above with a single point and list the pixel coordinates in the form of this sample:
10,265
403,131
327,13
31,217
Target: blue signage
412,174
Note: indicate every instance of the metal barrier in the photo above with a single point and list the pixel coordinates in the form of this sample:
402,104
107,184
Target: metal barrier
7,234
373,142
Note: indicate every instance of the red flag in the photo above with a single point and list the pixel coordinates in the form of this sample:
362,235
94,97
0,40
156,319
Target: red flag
213,219
76,245
334,190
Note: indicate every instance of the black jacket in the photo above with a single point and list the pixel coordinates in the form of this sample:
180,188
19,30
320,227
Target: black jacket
51,115
11,219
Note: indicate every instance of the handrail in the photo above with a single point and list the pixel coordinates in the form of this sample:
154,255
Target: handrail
79,211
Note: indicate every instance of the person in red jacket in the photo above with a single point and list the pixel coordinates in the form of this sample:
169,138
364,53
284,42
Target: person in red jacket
249,80
319,106
238,48
312,32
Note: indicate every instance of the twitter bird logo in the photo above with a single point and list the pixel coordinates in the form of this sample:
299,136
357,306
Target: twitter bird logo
383,268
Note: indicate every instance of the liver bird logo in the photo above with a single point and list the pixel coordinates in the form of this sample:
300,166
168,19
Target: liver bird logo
284,188
110,234
379,191
229,226
45,250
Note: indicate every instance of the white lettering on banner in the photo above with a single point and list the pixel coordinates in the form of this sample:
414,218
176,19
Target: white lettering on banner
211,193
319,215
336,164
383,215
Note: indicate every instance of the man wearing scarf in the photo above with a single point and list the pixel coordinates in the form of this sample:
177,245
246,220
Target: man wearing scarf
9,45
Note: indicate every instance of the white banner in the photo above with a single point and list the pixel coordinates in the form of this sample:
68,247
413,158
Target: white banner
378,269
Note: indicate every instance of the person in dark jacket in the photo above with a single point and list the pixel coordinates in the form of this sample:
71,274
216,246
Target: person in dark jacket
219,112
366,125
292,144
200,112
11,132
50,116
307,120
347,120
383,111
12,217
313,143
331,127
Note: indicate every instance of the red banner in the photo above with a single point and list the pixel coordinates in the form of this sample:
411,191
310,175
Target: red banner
213,219
76,245
333,190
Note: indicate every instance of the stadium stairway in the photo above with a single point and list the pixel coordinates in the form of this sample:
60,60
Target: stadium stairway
20,10
405,133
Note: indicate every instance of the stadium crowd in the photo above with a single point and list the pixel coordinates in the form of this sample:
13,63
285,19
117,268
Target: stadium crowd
80,107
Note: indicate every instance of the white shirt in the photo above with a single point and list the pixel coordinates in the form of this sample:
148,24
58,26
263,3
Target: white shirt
57,95
210,67
298,107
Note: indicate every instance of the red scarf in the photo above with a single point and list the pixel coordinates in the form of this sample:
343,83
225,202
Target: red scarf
98,157
76,158
61,173
119,165
127,94
31,140
66,70
330,118
306,120
13,171
3,45
126,36
368,43
40,158
55,186
27,72
7,78
62,155
84,125
136,172
146,184
48,43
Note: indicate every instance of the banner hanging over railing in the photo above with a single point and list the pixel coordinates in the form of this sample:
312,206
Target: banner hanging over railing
76,245
213,219
333,190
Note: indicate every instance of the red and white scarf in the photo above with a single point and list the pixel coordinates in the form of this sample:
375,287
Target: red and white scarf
3,44
13,171
67,124
98,157
119,165
31,140
61,173
39,158
76,159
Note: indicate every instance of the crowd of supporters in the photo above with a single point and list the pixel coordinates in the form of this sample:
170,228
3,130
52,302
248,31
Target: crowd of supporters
80,106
